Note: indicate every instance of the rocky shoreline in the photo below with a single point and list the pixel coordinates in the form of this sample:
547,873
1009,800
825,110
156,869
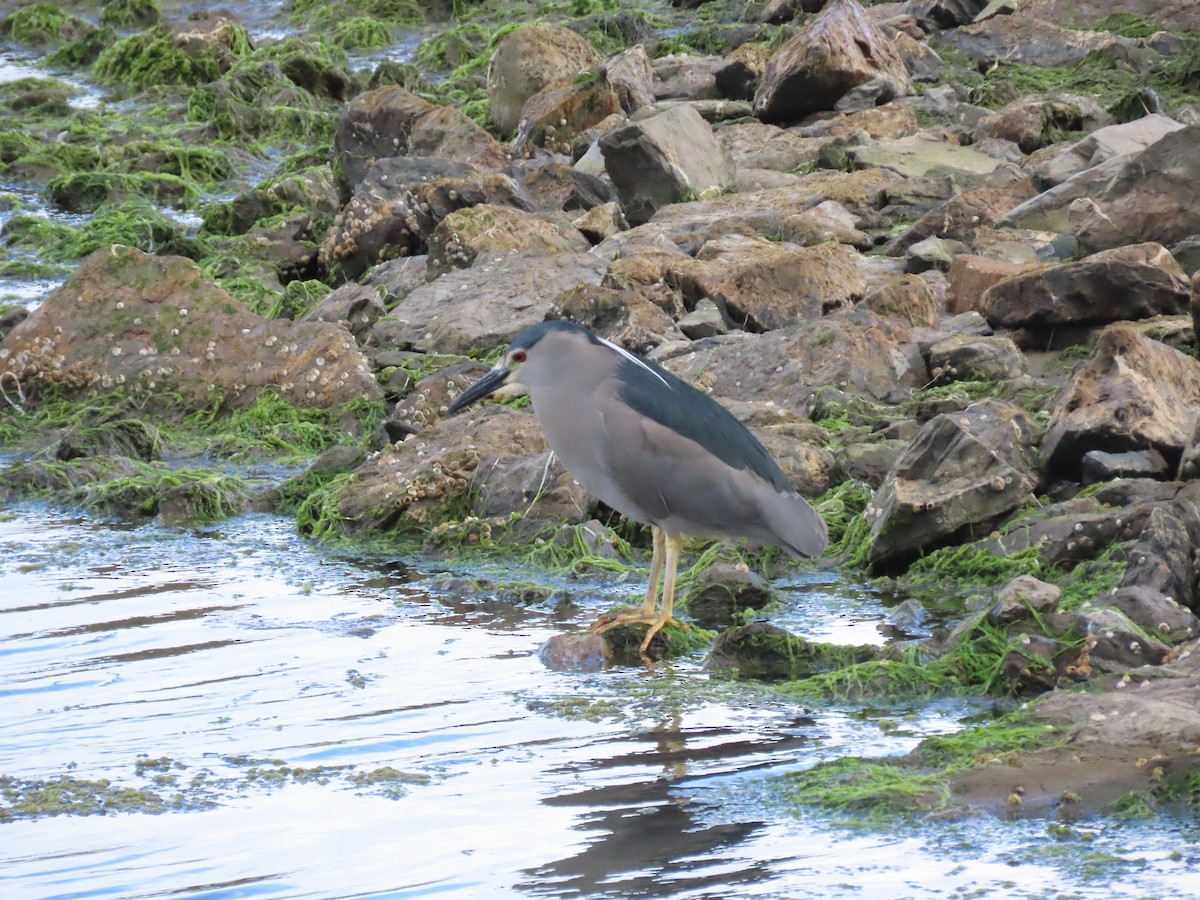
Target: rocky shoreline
959,310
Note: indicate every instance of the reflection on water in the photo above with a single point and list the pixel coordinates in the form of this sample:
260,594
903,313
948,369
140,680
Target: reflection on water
319,726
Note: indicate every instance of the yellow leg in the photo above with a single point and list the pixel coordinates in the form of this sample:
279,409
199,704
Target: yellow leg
666,613
664,565
656,571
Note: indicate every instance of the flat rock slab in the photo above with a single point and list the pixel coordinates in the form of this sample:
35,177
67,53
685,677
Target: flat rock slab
919,156
487,306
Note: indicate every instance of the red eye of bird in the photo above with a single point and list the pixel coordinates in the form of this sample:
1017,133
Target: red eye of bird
518,356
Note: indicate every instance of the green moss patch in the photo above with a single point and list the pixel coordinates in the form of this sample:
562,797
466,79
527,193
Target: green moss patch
153,57
43,25
876,792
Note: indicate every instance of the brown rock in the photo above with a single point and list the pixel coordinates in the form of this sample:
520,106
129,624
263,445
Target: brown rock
495,231
528,60
486,306
764,285
841,50
970,276
908,297
559,113
1134,282
157,327
854,351
1132,393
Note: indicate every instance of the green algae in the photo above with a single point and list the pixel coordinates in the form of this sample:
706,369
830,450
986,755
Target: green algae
130,13
320,14
71,796
361,33
880,792
133,222
153,57
42,25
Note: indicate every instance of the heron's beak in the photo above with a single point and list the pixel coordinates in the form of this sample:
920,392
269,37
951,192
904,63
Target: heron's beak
490,382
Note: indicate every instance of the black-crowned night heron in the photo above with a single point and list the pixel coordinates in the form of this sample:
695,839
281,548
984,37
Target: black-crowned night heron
653,448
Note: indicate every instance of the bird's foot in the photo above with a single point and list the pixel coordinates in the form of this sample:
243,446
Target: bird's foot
655,621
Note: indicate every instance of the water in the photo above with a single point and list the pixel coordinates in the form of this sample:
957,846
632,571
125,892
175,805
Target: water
220,658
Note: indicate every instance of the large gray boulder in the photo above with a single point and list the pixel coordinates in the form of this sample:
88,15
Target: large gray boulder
961,474
664,158
485,306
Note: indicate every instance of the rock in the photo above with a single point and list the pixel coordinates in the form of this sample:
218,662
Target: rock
1030,41
962,472
757,145
1122,492
496,231
762,285
386,220
934,15
921,155
556,116
428,479
1153,612
1146,197
966,357
963,216
686,77
355,307
971,275
1133,282
1101,466
1035,122
871,461
1189,462
1116,644
855,351
629,73
536,486
1066,539
720,594
156,327
486,306
909,298
396,279
932,253
825,222
738,79
840,50
1162,559
808,468
623,317
1021,597
526,61
601,222
765,651
552,185
1101,145
704,321
763,212
1132,393
391,122
663,159
576,652
128,438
